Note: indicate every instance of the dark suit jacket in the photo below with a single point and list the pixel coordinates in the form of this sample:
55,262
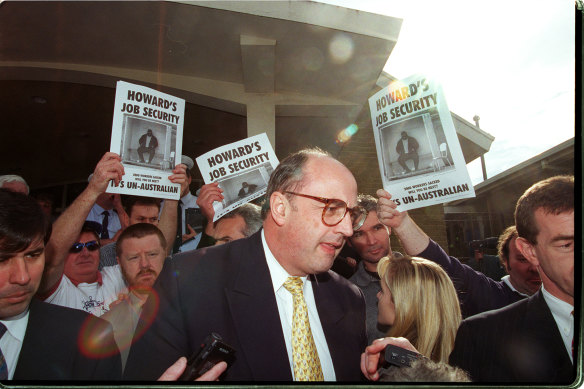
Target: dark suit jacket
250,189
476,292
153,141
517,343
227,289
50,350
412,146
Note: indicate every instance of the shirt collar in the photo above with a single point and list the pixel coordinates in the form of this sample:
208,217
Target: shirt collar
99,280
560,309
507,282
278,274
16,325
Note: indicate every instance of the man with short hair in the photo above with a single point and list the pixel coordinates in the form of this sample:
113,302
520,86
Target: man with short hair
476,292
14,183
71,274
148,144
371,242
531,340
259,292
522,276
242,222
139,210
40,341
106,211
141,250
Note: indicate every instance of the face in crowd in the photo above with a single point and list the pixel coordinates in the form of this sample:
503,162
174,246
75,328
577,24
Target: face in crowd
141,260
313,245
228,229
553,253
371,241
82,261
524,276
20,277
144,213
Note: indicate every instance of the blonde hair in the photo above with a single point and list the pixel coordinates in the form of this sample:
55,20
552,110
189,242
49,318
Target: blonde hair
427,311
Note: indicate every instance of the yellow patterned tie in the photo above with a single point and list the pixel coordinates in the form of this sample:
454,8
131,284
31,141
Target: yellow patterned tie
304,354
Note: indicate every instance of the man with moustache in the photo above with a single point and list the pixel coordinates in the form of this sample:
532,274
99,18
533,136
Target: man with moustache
40,341
140,250
260,292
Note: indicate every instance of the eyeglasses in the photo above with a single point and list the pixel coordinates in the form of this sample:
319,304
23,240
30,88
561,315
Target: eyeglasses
335,210
78,247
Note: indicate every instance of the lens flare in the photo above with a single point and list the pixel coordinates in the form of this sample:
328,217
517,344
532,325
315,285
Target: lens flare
97,339
346,134
341,48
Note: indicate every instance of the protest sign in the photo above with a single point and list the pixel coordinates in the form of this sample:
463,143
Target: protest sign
242,170
147,133
420,158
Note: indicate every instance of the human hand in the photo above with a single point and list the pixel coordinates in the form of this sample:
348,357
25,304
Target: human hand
174,372
209,193
179,176
370,358
351,261
192,233
108,168
387,212
121,298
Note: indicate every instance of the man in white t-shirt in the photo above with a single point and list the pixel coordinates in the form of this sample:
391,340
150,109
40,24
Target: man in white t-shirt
71,276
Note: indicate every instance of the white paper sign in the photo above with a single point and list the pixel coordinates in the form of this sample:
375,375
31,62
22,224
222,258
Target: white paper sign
420,158
242,170
147,133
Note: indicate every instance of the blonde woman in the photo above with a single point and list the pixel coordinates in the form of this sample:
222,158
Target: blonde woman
418,300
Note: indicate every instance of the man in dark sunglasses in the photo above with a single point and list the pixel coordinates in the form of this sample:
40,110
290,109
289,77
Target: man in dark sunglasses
250,290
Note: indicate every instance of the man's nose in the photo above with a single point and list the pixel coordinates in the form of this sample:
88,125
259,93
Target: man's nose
345,227
19,272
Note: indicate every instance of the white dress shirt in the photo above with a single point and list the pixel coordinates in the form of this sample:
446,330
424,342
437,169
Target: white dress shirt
286,309
562,313
11,341
113,223
508,283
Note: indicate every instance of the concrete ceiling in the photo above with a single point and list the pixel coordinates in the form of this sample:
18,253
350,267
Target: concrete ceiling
59,62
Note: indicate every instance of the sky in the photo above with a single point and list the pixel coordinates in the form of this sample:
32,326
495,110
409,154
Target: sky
509,61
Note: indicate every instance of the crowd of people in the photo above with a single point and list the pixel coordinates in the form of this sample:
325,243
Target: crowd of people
123,287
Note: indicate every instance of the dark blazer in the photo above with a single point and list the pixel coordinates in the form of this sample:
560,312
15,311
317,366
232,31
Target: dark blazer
153,142
50,348
412,146
519,343
476,292
227,289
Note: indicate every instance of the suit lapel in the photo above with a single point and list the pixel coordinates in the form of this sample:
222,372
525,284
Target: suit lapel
331,313
540,324
255,315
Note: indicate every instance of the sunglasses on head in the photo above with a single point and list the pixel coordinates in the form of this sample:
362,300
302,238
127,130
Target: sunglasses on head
91,246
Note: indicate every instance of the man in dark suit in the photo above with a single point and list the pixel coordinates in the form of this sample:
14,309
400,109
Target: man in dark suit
148,143
407,148
40,341
239,289
531,340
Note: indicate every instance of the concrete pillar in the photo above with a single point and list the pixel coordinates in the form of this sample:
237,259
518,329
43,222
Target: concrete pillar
261,117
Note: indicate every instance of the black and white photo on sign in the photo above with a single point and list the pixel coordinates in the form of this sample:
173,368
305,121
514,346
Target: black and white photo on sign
241,186
148,143
414,146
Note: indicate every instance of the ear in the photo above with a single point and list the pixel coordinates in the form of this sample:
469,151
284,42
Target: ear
279,207
527,250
